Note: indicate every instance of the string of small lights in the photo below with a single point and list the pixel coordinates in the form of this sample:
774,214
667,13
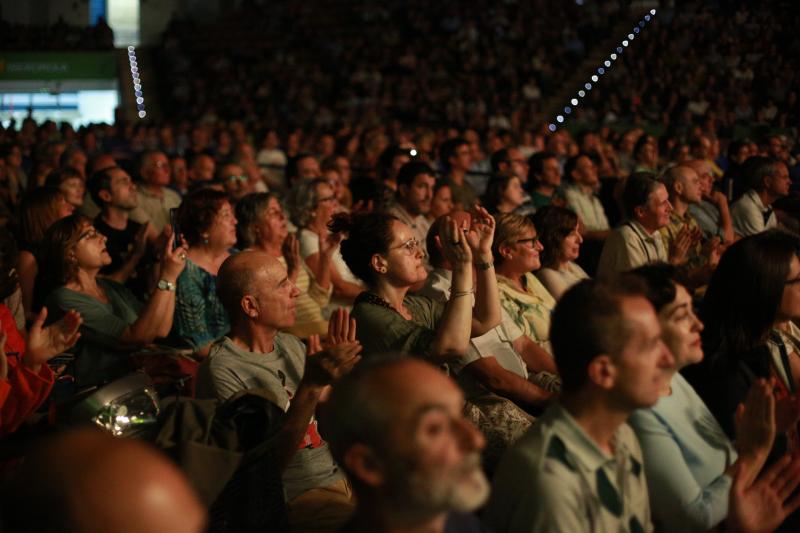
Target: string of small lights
137,82
602,69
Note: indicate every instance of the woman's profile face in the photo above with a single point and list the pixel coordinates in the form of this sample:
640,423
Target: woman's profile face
223,229
326,203
789,308
513,193
90,249
571,245
271,225
680,329
73,190
404,265
442,202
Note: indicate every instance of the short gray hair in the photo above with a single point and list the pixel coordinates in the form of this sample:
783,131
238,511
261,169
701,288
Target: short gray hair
303,200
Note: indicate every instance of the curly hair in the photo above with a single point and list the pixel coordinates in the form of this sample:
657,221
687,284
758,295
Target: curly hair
197,213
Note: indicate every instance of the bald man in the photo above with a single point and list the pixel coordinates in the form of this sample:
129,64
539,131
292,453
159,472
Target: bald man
86,481
260,300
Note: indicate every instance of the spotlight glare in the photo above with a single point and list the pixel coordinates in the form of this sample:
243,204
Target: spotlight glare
630,36
560,118
131,49
601,71
588,86
567,110
574,101
652,11
647,18
607,63
142,113
619,49
595,78
613,57
636,29
625,43
551,127
581,93
139,100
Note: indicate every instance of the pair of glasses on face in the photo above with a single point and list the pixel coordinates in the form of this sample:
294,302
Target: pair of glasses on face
235,178
326,199
90,234
410,246
532,241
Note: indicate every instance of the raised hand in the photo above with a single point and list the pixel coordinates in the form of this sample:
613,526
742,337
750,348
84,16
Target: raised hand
291,253
679,248
328,242
173,261
481,235
453,243
341,328
325,367
755,425
763,505
45,343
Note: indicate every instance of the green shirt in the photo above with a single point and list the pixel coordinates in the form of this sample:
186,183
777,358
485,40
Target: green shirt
556,479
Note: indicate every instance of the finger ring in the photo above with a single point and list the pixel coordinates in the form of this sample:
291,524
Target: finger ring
182,256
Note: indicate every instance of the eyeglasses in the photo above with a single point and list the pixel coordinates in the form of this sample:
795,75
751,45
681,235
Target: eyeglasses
90,234
532,240
233,178
410,246
161,164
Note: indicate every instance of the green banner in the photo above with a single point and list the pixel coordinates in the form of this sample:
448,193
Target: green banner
57,66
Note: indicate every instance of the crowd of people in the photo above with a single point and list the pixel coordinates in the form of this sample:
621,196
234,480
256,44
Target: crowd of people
450,319
612,339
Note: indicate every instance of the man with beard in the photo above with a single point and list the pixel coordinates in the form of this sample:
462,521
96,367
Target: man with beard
415,182
113,190
579,467
396,427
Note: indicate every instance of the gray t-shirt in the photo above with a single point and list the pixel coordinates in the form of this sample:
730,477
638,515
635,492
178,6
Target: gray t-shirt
230,369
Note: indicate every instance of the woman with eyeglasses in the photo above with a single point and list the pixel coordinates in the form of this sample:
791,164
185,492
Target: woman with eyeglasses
516,251
382,251
313,204
561,242
115,322
207,222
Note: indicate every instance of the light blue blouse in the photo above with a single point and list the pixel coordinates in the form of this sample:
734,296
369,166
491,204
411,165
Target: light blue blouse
685,456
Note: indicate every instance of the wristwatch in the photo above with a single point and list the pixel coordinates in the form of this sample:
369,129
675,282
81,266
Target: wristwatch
164,285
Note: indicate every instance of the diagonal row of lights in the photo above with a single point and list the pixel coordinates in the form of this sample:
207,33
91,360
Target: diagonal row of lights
137,82
602,69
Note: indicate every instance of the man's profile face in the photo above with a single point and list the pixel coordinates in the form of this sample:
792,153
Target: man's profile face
551,172
276,295
644,364
419,193
656,211
779,182
433,460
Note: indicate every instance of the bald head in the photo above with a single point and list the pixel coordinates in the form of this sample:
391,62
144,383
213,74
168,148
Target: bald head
88,481
239,275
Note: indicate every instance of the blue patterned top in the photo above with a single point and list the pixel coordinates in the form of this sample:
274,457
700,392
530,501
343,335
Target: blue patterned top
200,317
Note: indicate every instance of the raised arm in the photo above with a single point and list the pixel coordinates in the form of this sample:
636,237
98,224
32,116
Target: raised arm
487,296
155,320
